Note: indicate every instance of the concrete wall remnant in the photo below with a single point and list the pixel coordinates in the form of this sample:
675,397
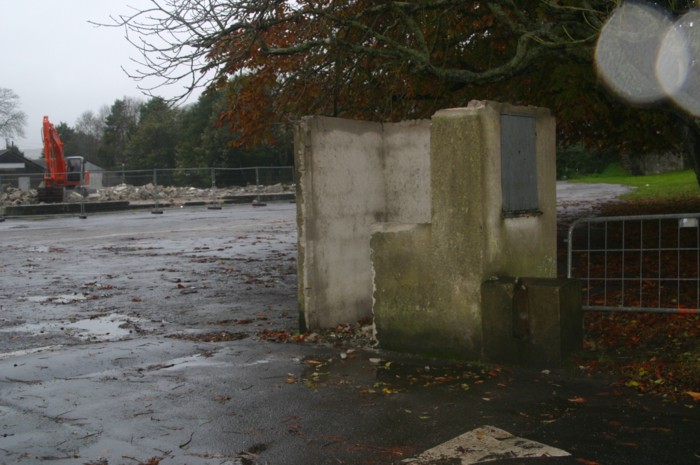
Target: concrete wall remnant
351,175
428,277
406,222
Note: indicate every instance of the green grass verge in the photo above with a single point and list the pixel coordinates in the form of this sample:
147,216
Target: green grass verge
657,186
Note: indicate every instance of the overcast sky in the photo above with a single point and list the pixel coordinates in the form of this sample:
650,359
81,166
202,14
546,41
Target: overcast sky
60,65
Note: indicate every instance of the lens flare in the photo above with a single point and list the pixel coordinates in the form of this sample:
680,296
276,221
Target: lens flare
673,61
627,50
643,56
677,67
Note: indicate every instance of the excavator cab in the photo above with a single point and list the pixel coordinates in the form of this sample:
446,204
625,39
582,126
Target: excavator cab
75,171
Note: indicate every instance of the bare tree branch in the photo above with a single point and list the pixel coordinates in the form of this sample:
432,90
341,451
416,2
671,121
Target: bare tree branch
12,119
199,42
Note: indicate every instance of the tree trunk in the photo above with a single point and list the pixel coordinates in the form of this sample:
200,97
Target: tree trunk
690,133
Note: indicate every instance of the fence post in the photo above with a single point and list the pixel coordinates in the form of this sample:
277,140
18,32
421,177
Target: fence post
257,202
156,209
213,204
83,194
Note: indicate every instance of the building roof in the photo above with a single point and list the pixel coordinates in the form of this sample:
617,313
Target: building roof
12,162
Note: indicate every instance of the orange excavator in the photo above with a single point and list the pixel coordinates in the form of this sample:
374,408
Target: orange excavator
61,172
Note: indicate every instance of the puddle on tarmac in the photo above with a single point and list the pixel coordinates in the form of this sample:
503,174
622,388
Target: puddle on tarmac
104,328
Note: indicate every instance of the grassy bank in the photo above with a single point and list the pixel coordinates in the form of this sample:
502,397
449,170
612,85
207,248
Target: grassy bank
676,184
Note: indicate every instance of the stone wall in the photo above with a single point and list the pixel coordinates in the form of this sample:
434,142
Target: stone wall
653,163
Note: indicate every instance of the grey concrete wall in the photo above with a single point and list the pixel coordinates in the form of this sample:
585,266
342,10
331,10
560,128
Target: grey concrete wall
407,171
351,175
428,278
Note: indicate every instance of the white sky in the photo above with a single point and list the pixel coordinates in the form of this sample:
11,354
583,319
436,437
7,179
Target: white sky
60,65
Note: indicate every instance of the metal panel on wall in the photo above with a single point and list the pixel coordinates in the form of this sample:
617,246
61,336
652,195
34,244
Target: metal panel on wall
518,165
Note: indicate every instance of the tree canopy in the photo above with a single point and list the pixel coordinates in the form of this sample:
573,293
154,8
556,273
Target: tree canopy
136,135
390,60
359,58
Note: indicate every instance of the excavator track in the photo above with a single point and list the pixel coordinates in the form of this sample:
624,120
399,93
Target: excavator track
50,194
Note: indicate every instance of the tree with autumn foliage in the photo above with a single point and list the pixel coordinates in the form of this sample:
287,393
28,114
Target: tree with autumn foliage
393,60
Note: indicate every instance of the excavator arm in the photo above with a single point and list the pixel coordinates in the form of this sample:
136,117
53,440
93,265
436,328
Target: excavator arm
56,172
61,172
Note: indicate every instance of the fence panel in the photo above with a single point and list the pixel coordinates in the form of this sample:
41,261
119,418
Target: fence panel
185,177
646,263
19,189
20,181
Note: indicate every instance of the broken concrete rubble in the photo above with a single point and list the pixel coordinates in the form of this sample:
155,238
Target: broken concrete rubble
12,196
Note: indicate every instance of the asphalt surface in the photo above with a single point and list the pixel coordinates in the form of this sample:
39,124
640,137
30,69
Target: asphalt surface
131,338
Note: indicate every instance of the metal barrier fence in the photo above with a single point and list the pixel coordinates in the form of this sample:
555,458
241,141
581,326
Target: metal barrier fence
190,177
637,263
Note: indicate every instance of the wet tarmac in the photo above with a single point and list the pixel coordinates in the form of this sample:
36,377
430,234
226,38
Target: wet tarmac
130,338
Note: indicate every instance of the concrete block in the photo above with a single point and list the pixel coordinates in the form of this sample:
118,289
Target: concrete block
531,321
416,308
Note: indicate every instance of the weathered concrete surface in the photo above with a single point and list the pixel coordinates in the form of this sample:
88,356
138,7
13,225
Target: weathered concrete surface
350,175
427,278
531,321
120,341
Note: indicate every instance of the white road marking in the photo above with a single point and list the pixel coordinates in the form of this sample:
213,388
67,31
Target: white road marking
21,353
485,444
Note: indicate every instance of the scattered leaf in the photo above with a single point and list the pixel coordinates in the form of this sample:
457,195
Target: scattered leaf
587,462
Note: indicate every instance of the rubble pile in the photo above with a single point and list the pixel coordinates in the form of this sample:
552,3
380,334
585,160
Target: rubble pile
12,196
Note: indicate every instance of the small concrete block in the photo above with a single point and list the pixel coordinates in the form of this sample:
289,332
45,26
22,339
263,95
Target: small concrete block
531,321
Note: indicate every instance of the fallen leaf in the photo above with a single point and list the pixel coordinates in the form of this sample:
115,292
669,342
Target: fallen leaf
577,400
693,394
587,462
